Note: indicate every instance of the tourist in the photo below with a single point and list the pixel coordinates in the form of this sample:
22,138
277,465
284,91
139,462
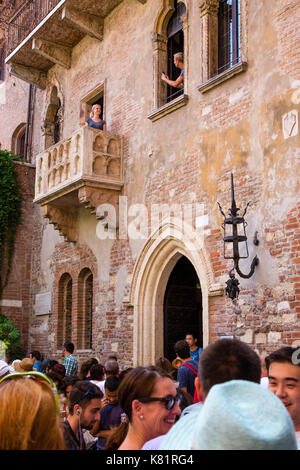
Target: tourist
5,369
97,376
24,427
95,120
84,373
195,350
70,361
236,415
222,361
165,364
110,414
179,63
283,368
84,412
26,365
37,360
188,371
148,398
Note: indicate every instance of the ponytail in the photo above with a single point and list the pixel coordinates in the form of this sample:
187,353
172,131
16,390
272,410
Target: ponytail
117,437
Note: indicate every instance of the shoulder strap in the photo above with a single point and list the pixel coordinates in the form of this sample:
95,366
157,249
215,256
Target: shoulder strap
190,367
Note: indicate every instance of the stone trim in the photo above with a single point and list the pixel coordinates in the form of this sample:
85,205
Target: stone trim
168,108
222,77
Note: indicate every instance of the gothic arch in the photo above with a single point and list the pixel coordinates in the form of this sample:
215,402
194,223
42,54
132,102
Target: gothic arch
53,121
163,249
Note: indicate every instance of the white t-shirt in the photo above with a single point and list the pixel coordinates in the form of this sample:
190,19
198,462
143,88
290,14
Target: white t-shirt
100,384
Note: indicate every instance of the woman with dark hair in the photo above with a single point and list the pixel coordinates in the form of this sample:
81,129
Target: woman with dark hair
147,396
84,373
165,364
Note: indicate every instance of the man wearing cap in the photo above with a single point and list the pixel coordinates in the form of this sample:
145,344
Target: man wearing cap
70,361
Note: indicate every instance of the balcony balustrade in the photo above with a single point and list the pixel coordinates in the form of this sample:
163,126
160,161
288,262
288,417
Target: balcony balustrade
85,169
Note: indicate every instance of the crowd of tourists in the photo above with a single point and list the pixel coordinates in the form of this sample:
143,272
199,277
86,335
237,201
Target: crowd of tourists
224,397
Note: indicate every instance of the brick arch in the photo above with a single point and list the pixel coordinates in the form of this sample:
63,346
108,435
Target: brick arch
79,262
85,309
64,310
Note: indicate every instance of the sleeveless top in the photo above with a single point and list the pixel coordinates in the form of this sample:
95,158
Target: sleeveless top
96,125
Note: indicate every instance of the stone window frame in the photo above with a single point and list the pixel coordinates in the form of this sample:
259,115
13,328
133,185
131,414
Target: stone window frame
84,324
87,100
209,45
18,134
159,44
63,284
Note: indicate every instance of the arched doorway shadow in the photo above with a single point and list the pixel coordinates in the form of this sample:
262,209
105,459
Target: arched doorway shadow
153,268
182,306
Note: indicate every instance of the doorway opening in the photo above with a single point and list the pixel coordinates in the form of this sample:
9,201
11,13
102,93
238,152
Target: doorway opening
182,306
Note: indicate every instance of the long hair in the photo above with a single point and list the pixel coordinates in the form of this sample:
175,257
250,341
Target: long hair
92,110
28,418
138,383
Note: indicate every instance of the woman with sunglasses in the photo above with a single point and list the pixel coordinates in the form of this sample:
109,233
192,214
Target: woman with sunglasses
29,417
147,396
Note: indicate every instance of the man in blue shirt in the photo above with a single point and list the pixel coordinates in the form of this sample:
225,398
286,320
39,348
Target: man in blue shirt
36,357
179,63
189,370
195,351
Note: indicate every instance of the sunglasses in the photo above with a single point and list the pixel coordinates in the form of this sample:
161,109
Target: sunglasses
169,401
90,392
38,377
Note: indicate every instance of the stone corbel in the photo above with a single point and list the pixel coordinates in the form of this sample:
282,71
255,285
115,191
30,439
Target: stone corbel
29,74
56,53
142,1
89,24
64,220
92,198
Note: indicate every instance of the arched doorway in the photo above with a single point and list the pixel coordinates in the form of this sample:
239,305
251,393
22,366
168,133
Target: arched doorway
182,306
153,268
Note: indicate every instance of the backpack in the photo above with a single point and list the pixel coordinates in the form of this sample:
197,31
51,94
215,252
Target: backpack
196,398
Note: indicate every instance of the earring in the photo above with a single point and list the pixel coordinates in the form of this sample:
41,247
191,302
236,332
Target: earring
142,417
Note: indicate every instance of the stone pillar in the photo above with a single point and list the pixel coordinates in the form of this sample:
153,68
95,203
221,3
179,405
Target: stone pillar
209,37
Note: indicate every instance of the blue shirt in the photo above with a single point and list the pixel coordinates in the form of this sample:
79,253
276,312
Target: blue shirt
96,125
186,377
196,354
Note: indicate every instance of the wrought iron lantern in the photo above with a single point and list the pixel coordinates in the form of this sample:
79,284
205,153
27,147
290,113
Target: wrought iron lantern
235,243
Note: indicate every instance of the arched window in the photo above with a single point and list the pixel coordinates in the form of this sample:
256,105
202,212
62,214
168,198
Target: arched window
175,44
18,140
85,309
64,324
52,127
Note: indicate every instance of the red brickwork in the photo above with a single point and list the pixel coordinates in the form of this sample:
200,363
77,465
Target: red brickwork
18,288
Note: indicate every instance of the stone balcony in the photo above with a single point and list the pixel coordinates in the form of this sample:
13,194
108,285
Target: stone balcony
42,33
84,170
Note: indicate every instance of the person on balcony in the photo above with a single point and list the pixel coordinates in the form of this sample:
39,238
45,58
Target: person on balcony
179,63
95,120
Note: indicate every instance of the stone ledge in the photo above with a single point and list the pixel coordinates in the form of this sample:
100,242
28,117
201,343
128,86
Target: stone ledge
222,77
168,108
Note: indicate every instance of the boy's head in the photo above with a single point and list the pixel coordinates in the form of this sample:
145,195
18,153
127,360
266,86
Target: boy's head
111,389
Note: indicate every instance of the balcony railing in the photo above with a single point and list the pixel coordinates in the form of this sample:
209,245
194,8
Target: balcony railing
29,15
87,157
